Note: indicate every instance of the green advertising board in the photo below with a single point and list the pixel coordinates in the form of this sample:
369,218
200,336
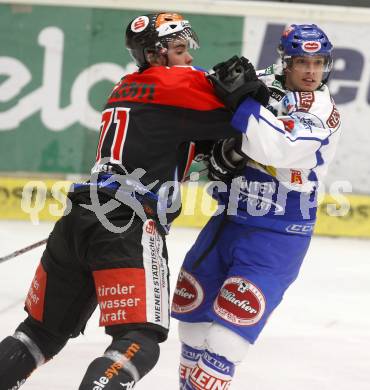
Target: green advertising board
57,67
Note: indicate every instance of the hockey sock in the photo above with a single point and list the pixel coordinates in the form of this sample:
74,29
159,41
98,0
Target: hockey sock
19,356
103,373
188,359
212,372
124,363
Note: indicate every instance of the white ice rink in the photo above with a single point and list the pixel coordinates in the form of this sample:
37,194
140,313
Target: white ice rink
318,339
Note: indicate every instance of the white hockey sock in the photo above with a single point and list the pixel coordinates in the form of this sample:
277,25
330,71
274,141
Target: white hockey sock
212,372
188,359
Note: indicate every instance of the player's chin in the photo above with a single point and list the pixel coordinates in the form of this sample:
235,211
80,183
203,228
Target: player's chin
308,86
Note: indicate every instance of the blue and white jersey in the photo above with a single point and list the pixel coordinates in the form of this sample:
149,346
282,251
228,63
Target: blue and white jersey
290,144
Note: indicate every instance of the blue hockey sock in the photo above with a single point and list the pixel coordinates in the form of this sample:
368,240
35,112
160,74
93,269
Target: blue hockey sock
210,373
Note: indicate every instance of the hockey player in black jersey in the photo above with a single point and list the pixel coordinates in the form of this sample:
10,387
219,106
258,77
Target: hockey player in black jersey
110,249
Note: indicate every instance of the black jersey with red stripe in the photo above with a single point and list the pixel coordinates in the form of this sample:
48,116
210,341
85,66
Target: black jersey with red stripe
152,118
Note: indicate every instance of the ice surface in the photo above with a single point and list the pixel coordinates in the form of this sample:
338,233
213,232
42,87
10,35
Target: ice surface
318,339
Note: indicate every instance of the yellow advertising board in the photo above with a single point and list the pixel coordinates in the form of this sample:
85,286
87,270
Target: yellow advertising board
44,200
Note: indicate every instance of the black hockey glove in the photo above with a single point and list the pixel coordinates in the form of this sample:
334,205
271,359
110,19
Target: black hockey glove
226,162
236,79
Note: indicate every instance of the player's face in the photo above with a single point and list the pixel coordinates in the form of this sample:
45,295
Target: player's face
305,73
178,53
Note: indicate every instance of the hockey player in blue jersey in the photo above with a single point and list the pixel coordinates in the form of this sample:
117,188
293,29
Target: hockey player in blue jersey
245,258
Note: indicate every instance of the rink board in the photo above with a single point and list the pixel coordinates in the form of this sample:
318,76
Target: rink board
44,200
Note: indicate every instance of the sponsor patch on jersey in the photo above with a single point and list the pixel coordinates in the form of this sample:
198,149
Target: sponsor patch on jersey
139,24
258,196
290,102
311,46
276,94
308,120
305,100
296,176
240,302
156,275
36,294
334,118
121,295
150,226
289,123
188,293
